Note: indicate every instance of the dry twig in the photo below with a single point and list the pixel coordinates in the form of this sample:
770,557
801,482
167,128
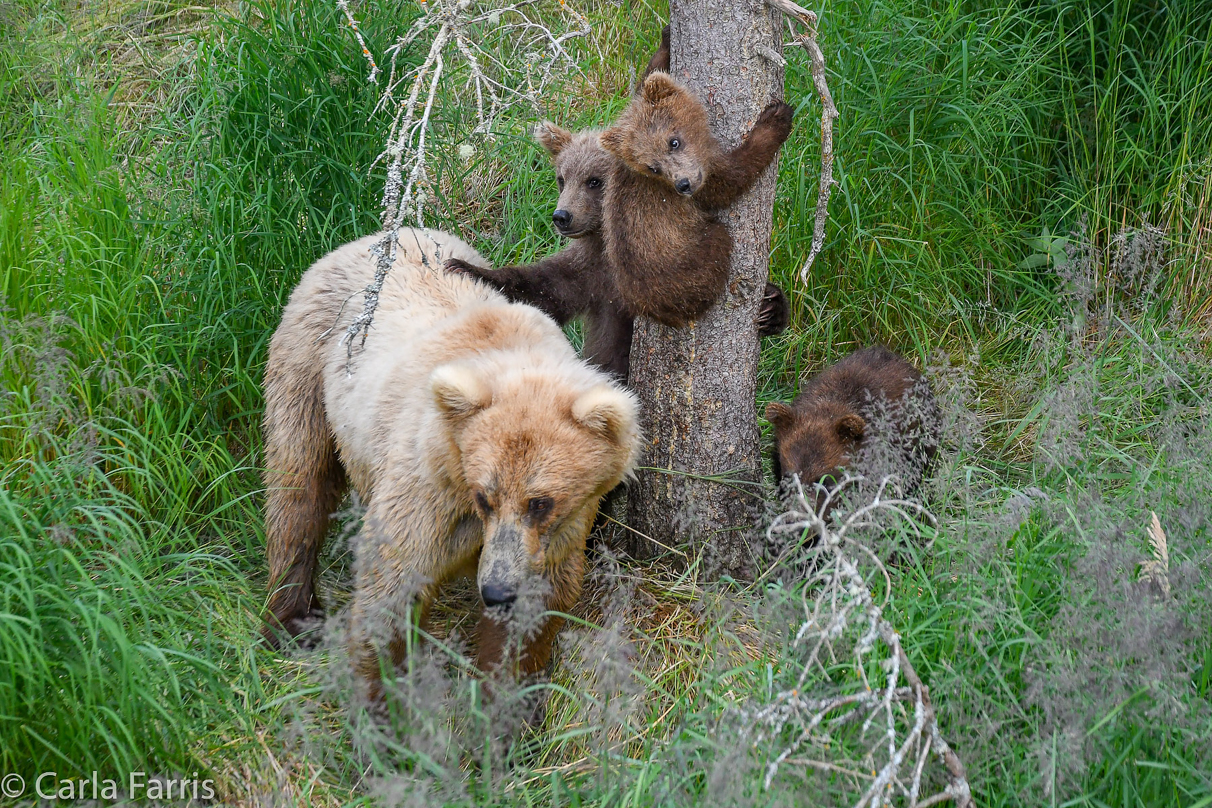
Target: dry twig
840,614
816,60
508,56
373,78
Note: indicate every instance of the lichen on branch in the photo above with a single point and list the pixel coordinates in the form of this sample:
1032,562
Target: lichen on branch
506,54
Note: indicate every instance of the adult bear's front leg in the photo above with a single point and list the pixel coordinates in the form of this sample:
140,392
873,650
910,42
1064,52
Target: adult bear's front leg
398,574
529,657
379,624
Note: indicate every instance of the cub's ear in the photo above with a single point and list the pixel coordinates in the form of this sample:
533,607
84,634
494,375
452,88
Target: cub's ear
553,138
459,391
780,415
659,86
609,413
851,427
613,140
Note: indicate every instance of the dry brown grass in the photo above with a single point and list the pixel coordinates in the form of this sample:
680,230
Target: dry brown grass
136,51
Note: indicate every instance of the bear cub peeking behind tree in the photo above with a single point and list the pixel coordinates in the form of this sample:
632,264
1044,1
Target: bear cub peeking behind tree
667,251
577,281
872,412
479,442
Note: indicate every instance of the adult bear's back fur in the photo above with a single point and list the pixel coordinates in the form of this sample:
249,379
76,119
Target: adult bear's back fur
433,318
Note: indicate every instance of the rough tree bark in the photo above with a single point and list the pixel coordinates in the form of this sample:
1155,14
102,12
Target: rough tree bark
701,477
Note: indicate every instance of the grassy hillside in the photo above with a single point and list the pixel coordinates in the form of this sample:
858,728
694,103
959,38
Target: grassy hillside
1024,208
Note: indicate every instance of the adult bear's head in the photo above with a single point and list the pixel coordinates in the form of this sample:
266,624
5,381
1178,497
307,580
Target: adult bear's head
536,444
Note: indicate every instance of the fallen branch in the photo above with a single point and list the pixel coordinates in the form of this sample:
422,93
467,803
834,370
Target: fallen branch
839,610
816,61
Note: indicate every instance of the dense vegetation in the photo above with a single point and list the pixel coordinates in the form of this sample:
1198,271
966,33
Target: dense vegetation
1025,208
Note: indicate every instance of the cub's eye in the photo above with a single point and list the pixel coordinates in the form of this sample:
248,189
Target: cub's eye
560,182
655,169
594,182
482,502
540,507
674,144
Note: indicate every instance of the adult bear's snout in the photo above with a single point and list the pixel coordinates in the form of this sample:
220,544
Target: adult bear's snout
498,594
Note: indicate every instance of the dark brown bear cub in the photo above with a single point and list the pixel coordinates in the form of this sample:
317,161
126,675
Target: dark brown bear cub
668,252
872,412
574,282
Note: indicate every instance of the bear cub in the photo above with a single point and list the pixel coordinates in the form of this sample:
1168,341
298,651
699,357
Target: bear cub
872,412
668,251
577,281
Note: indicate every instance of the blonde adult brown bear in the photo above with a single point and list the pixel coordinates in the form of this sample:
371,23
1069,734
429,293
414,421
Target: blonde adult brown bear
479,441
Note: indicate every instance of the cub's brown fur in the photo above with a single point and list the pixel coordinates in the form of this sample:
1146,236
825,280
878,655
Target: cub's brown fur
873,394
480,443
574,282
668,252
578,281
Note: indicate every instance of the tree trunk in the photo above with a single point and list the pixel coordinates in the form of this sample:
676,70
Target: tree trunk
701,478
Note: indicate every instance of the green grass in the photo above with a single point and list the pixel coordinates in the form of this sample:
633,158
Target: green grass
159,202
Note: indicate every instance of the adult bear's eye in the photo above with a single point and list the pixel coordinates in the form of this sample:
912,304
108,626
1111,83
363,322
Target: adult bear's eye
674,144
560,182
482,502
540,507
594,182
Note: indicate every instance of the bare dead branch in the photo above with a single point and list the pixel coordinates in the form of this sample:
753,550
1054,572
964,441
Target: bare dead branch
507,54
828,114
804,16
373,78
816,61
840,613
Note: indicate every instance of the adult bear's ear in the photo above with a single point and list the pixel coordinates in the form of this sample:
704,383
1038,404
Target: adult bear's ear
459,391
780,415
608,412
658,87
851,427
613,140
553,138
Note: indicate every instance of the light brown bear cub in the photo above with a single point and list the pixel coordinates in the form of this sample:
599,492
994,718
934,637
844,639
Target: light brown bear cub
479,441
669,253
